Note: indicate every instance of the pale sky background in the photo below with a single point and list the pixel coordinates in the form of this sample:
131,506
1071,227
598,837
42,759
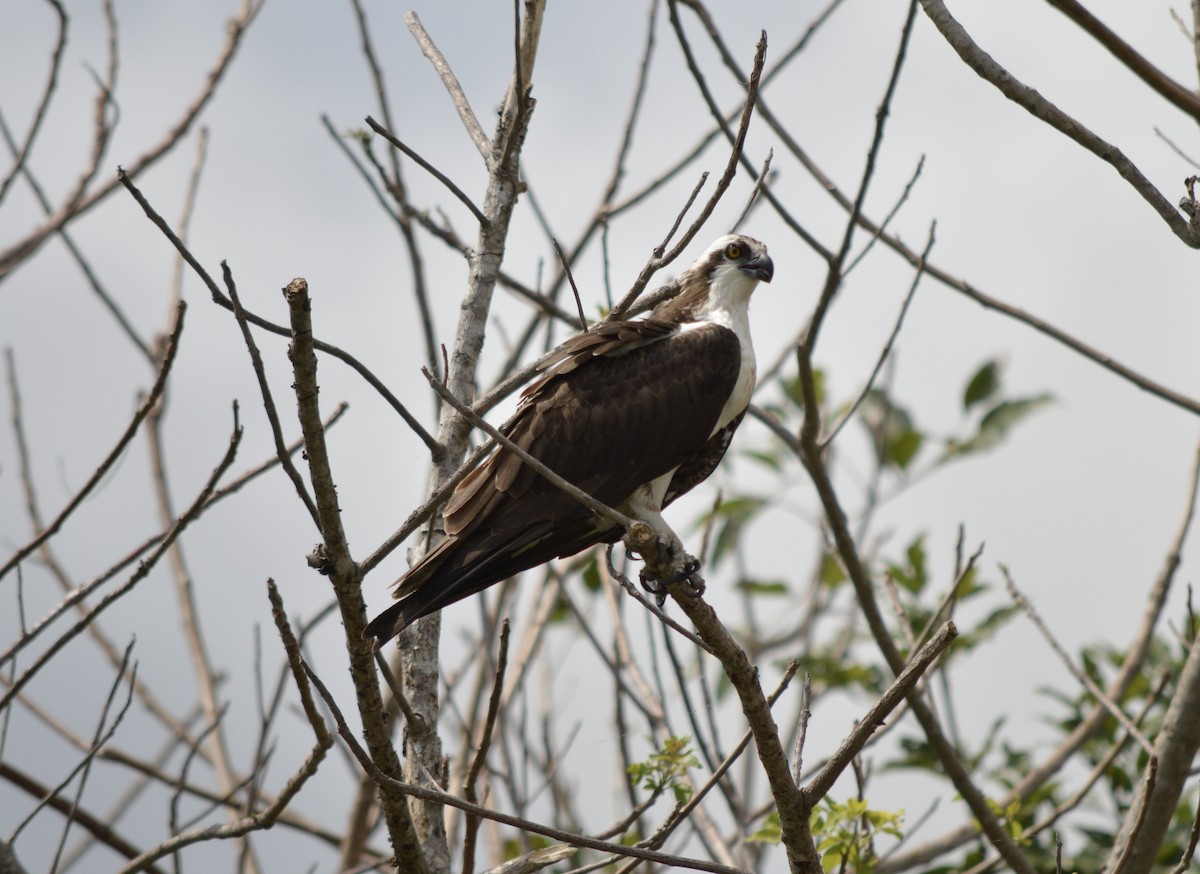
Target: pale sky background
1081,503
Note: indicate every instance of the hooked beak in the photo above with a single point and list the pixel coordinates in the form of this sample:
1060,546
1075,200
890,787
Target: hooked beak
760,267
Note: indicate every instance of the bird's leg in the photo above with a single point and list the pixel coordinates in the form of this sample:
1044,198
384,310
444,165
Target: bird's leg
666,561
685,573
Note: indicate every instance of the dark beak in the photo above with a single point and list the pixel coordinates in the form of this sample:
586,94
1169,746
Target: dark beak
761,267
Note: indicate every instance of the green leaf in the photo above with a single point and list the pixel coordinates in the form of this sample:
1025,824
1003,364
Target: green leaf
995,425
831,573
983,385
733,516
591,573
762,587
513,848
1005,414
561,611
772,460
666,768
835,671
842,840
903,448
770,833
913,574
795,394
896,438
986,629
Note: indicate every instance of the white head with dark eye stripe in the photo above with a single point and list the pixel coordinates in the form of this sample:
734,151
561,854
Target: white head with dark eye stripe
733,266
721,279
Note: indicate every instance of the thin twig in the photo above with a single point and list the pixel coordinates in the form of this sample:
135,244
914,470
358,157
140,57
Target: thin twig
834,275
901,687
77,202
436,795
141,573
1042,109
658,261
102,832
79,594
489,723
1185,861
801,729
21,154
430,169
450,81
1081,676
142,412
83,769
85,266
574,288
763,175
219,298
189,612
891,341
281,452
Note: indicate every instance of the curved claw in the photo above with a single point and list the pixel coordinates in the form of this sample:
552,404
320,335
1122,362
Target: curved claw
653,586
693,585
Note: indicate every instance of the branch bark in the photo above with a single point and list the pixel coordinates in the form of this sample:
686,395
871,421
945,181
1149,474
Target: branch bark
418,645
333,559
665,563
1175,748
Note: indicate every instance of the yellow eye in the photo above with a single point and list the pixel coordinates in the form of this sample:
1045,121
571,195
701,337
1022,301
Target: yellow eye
733,251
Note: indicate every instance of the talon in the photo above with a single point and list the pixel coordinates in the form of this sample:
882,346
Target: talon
690,566
653,586
691,582
693,585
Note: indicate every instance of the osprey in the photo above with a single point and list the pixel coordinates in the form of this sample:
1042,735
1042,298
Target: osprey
635,413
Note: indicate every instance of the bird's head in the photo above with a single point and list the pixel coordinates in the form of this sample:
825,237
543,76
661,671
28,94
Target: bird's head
724,276
735,258
732,267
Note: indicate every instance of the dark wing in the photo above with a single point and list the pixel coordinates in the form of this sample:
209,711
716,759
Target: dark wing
623,404
700,466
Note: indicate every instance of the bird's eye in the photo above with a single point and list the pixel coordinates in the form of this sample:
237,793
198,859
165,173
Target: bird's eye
733,251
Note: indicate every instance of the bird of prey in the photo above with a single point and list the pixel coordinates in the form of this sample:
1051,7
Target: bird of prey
635,413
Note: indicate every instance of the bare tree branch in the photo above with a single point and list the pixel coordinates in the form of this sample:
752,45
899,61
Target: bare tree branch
78,202
426,793
333,559
1042,109
144,409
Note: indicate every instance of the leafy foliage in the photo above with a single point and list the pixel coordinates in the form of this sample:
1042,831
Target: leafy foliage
732,517
845,833
893,431
665,768
984,391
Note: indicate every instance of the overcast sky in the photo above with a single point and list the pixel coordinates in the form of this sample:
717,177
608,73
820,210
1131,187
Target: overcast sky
1081,503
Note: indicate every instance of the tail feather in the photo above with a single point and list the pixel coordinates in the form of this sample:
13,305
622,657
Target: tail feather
424,590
